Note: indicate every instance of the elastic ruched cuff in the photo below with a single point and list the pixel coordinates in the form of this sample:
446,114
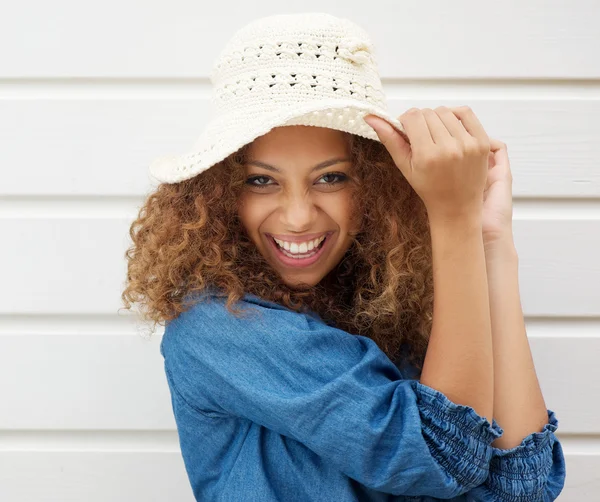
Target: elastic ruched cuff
520,474
458,437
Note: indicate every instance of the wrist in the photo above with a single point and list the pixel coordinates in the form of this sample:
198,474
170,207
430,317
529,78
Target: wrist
500,248
449,235
466,222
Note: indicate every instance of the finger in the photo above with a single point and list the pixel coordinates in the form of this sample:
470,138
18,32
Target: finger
437,128
470,122
500,151
496,144
393,141
416,128
454,126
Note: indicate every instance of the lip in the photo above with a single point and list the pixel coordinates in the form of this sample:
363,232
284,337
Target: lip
300,262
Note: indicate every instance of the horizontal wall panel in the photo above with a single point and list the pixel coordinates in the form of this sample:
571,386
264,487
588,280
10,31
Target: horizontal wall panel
77,265
533,39
568,376
83,382
63,265
98,382
101,476
558,274
91,147
104,146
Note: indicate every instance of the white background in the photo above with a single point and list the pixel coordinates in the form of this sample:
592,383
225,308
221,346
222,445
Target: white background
91,92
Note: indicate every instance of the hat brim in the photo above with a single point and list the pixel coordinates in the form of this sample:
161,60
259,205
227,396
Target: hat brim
226,134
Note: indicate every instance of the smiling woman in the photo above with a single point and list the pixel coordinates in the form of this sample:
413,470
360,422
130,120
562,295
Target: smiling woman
291,206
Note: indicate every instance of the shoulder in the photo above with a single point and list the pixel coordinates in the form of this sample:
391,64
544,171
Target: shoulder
213,306
208,318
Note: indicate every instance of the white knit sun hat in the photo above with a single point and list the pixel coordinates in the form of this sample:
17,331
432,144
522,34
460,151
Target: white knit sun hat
310,69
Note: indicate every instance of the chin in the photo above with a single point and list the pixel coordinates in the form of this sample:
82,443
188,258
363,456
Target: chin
300,285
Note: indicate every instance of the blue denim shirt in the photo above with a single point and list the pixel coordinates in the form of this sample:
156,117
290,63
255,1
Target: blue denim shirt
282,407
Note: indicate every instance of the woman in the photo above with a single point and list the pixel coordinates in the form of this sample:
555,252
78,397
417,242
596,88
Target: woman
292,255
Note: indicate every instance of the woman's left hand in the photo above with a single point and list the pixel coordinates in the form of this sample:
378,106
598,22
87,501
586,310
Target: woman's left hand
497,196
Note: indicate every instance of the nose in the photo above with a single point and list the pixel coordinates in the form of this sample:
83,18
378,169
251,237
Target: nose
298,212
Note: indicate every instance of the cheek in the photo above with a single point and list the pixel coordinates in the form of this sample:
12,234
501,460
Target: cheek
251,212
340,209
351,213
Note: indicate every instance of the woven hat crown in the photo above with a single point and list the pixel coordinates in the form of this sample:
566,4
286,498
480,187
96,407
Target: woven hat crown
313,55
310,69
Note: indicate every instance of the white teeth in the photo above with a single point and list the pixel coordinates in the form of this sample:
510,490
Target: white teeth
300,248
298,256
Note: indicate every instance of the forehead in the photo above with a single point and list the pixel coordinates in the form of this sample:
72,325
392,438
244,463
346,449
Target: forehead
300,141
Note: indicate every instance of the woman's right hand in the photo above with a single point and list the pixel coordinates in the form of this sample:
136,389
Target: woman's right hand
446,162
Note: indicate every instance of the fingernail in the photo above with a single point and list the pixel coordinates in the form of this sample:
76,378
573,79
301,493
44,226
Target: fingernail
370,120
378,124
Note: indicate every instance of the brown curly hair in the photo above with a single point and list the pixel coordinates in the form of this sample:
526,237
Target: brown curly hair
187,237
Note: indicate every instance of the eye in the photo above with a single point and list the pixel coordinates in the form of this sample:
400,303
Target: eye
250,181
254,181
340,178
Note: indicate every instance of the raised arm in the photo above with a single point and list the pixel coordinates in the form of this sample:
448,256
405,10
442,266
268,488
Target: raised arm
446,163
459,359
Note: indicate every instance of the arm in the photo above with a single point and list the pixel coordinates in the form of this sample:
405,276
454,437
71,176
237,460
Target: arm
528,445
518,402
336,393
459,360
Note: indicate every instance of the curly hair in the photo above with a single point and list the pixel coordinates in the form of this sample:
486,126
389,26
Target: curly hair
187,238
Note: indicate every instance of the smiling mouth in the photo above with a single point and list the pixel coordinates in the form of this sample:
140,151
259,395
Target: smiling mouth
300,259
308,254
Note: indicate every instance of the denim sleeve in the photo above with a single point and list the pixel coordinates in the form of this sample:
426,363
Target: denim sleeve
337,393
532,471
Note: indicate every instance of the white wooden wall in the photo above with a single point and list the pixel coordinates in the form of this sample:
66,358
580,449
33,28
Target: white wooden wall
91,92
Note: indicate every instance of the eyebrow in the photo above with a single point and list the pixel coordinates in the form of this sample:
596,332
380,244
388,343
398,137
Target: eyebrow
322,165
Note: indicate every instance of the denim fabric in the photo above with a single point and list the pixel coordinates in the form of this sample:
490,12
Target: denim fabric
280,406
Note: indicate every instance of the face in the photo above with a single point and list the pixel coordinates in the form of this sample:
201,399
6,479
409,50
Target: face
298,191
